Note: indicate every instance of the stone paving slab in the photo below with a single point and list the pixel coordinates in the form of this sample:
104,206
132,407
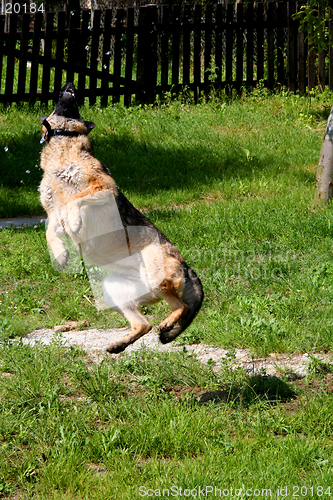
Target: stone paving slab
20,222
94,341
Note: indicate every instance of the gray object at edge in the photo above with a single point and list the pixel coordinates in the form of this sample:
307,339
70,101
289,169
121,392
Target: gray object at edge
324,178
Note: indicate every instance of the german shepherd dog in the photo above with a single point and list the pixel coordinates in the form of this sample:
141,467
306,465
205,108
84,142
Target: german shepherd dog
84,204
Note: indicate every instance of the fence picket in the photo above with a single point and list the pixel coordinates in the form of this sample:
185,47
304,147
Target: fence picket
129,57
219,16
229,45
165,33
47,57
197,52
2,43
281,17
94,59
59,53
11,42
260,41
208,69
147,55
73,44
175,47
35,57
22,75
83,48
321,55
106,56
270,46
186,45
249,45
301,62
239,46
330,69
118,55
292,49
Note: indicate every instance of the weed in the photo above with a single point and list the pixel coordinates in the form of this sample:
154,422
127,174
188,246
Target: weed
319,367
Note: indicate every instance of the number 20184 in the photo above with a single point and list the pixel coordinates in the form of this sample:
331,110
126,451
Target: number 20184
17,8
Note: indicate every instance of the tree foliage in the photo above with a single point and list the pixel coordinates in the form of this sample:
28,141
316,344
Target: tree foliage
314,17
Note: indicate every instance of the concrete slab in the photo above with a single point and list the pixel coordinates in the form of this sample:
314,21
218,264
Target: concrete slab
94,341
20,222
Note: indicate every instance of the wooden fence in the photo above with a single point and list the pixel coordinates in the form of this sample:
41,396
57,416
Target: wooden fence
128,55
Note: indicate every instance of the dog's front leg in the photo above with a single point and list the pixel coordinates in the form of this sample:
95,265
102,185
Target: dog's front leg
88,197
57,246
74,219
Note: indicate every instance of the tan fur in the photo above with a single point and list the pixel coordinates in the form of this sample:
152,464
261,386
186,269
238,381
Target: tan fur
77,192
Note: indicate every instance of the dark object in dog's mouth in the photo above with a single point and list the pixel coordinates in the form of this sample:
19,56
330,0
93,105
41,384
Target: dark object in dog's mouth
66,105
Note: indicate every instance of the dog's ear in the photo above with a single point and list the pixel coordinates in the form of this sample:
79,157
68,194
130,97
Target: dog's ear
90,126
42,118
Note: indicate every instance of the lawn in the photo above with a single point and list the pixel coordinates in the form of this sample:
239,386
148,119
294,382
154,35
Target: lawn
231,183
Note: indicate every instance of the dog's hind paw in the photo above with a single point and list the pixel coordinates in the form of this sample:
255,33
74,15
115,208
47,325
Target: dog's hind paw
164,339
165,329
116,348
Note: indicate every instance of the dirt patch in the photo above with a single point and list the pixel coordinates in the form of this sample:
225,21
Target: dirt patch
94,341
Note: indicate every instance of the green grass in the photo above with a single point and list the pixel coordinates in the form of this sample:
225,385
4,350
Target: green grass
231,183
70,429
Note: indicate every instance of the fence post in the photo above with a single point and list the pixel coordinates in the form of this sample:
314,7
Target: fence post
147,55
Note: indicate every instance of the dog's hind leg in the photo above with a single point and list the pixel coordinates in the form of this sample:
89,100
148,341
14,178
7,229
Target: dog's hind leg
179,309
139,327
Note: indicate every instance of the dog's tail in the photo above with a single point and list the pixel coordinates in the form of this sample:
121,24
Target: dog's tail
192,296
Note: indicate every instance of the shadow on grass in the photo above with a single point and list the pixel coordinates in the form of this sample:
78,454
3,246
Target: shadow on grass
269,389
149,169
20,161
140,167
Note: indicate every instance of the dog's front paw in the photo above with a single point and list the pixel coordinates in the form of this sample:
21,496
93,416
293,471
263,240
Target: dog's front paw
74,219
62,259
75,225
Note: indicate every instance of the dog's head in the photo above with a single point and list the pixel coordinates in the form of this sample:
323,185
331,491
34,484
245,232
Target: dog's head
65,119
